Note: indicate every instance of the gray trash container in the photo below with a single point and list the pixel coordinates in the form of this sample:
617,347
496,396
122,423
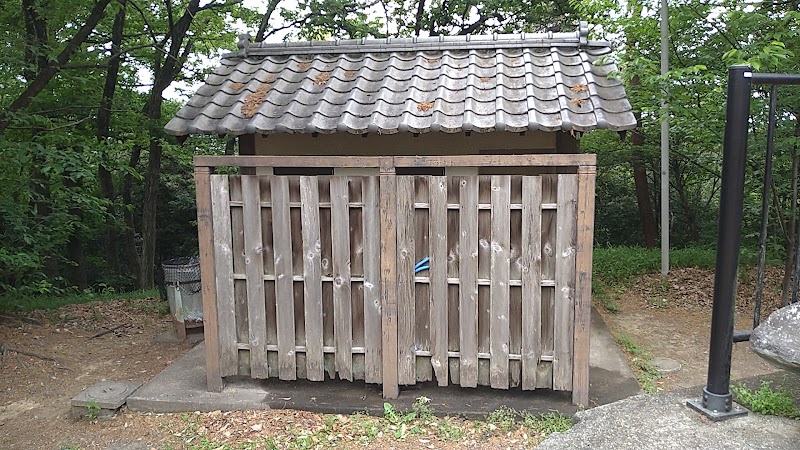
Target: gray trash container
184,291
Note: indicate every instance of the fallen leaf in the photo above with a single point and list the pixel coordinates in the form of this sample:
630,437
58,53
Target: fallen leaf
577,101
322,78
432,60
424,106
484,79
303,65
254,100
257,427
579,88
350,73
238,86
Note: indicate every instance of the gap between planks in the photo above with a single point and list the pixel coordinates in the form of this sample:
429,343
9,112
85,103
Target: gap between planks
417,205
423,280
426,353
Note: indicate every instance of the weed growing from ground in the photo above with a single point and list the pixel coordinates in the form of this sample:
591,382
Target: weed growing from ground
503,418
645,372
546,424
768,401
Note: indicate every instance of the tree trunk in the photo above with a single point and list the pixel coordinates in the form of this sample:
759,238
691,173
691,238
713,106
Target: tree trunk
163,76
103,132
642,188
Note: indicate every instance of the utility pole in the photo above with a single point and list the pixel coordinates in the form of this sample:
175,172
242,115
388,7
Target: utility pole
664,143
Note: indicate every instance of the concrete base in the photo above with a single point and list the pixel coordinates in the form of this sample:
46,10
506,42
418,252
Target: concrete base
182,387
663,422
102,399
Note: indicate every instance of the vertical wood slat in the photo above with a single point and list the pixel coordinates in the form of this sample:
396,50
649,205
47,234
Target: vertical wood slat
565,282
406,310
583,287
312,281
342,307
388,208
499,290
205,235
468,286
223,268
531,279
372,282
438,278
284,285
254,271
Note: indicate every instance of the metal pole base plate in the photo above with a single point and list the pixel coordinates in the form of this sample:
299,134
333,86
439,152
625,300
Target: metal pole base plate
716,407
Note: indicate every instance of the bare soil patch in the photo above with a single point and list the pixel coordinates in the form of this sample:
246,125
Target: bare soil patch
669,319
672,318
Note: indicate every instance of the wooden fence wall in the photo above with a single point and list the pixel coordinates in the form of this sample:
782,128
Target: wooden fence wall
309,276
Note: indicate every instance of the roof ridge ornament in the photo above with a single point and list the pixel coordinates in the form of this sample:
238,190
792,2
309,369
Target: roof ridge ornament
245,39
583,33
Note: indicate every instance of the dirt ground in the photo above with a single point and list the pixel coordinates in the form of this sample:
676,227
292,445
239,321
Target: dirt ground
672,320
667,319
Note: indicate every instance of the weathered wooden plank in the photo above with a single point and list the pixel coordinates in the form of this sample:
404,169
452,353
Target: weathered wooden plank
284,286
484,272
468,288
388,208
531,279
498,290
254,270
342,307
565,282
583,286
438,273
239,284
223,268
372,281
406,311
546,160
312,278
422,291
205,232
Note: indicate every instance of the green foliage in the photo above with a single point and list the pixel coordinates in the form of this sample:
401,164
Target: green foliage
92,411
645,372
615,264
768,401
504,418
546,424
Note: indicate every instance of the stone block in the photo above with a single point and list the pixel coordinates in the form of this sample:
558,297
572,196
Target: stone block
778,338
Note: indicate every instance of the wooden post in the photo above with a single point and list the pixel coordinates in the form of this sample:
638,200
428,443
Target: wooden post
388,207
205,232
583,285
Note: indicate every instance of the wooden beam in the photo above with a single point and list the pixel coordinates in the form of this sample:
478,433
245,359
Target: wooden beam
388,207
546,160
583,286
205,231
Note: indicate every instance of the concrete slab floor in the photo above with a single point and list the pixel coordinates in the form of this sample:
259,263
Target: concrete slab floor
181,387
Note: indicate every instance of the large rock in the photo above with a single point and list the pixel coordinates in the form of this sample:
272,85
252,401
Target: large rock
778,339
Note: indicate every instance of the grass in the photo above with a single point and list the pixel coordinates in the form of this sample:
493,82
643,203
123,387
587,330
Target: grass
768,401
617,264
646,373
613,267
43,302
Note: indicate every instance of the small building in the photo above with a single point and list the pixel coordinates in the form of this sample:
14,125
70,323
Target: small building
418,208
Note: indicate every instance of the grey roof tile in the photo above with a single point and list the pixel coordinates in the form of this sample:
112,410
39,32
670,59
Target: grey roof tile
450,84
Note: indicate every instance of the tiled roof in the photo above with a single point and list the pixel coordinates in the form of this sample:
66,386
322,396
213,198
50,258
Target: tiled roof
549,81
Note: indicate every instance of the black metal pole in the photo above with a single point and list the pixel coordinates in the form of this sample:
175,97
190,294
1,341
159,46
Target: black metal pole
716,394
762,240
